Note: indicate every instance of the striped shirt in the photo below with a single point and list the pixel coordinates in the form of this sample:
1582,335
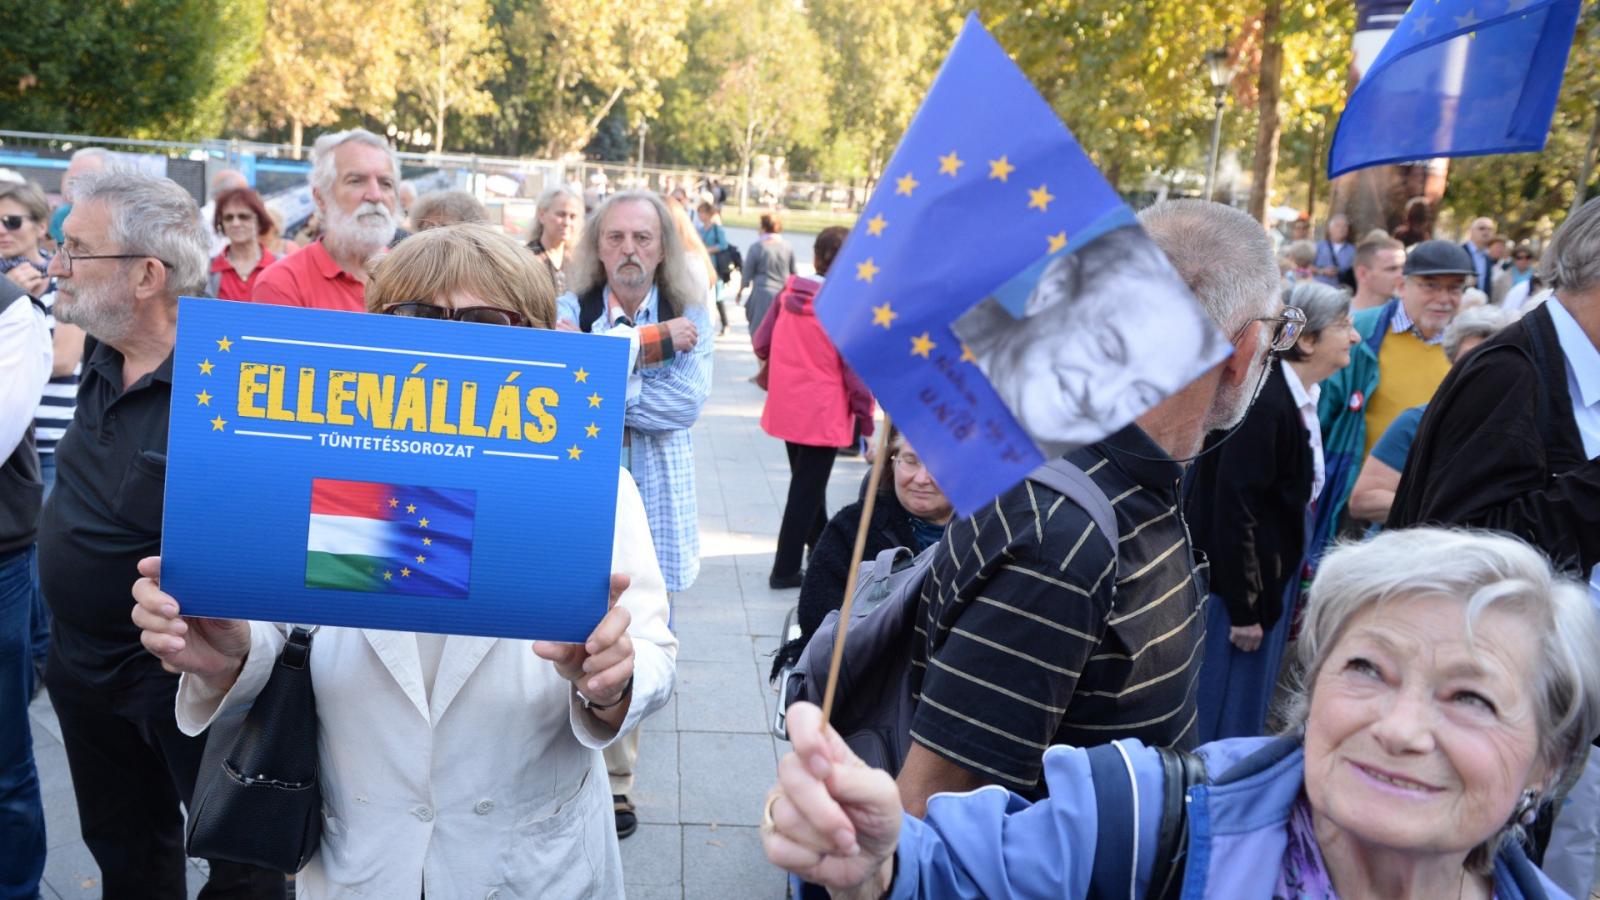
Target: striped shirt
1031,634
60,395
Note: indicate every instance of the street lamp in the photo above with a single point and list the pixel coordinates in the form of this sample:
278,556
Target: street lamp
1221,74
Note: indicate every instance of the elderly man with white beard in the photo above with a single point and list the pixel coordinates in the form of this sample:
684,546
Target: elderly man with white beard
354,176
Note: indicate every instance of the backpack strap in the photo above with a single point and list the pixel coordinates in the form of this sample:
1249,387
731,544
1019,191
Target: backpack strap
591,306
1066,479
1116,796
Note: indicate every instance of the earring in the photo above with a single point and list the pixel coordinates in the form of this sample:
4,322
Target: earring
1527,807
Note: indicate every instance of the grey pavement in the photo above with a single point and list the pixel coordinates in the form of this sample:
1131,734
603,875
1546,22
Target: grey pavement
707,758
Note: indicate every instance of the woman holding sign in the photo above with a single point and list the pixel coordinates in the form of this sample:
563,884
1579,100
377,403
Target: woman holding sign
453,766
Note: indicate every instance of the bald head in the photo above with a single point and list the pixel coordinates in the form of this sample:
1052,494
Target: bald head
1481,232
228,180
85,162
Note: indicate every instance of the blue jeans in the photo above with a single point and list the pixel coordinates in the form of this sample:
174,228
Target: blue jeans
21,811
41,614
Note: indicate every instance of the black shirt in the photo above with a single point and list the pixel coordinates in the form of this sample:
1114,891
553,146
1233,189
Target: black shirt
1031,634
102,518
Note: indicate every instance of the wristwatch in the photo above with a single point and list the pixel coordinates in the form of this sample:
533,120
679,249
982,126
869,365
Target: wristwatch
592,706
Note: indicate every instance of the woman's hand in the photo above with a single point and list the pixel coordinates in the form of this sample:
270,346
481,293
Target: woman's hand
29,279
211,649
1247,638
831,819
601,668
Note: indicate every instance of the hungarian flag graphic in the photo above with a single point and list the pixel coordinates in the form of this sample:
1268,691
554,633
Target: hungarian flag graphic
390,538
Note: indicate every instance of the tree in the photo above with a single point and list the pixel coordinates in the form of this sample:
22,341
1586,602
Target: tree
138,68
454,55
1268,127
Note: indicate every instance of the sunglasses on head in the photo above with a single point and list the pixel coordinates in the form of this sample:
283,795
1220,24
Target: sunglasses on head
487,315
12,223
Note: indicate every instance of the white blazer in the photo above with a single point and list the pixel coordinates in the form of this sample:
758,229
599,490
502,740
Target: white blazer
494,789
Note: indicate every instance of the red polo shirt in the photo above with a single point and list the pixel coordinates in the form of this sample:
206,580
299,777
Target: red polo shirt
231,286
310,277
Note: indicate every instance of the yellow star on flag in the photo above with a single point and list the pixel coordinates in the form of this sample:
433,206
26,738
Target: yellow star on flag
1468,20
423,522
1039,198
581,375
411,507
966,354
427,542
949,165
905,184
1001,168
866,271
405,572
205,367
1057,241
217,423
204,398
224,344
393,503
883,315
876,225
592,430
922,346
388,576
594,400
573,452
421,558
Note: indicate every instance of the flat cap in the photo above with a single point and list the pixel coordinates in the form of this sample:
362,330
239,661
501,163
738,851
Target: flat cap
1438,258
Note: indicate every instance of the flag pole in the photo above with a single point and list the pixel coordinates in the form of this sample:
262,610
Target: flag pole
879,461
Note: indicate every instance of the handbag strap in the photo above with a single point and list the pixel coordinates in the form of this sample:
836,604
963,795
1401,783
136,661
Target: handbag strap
296,653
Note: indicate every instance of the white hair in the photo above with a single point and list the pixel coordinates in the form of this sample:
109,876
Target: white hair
100,153
152,216
323,172
1571,264
547,198
678,284
1222,254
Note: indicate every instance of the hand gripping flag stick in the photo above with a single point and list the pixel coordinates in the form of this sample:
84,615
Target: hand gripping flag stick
879,460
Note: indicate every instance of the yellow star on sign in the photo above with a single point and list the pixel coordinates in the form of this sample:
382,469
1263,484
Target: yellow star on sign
1057,241
948,165
594,400
421,558
217,423
1468,20
592,430
393,503
411,507
921,346
876,225
204,398
573,452
966,354
388,576
423,522
905,184
405,572
205,367
427,542
866,271
1001,168
581,375
883,315
224,344
1039,198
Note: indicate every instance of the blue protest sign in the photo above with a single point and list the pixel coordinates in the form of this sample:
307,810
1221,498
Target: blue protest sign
385,472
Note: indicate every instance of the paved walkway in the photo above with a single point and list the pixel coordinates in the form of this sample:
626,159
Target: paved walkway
707,758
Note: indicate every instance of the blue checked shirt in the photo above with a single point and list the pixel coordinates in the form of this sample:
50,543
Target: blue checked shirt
658,420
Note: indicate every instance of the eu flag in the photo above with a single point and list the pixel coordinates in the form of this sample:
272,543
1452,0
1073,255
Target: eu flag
988,201
389,538
1458,78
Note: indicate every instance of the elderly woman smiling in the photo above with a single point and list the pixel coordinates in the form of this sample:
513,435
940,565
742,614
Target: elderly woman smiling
1452,686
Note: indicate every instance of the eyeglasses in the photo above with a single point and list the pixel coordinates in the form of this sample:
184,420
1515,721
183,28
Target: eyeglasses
909,463
12,223
487,315
1287,328
239,217
67,256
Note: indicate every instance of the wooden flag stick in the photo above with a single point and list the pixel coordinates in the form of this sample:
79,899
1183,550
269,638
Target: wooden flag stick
879,461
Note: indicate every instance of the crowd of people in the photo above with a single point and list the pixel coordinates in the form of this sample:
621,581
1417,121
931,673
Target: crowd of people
1332,638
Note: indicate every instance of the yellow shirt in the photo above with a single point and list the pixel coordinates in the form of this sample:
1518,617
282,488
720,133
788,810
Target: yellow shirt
1409,371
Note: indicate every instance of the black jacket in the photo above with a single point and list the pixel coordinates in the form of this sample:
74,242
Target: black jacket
1247,506
1498,448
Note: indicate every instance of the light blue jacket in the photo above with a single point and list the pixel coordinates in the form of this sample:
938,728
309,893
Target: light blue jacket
992,843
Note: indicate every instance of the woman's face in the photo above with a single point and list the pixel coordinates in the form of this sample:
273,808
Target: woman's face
915,488
1418,740
560,222
239,224
1329,348
24,240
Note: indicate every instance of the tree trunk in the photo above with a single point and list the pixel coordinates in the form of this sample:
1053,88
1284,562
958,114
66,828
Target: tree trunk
297,136
1265,166
1580,192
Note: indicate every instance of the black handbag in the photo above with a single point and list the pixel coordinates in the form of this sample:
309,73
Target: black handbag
257,799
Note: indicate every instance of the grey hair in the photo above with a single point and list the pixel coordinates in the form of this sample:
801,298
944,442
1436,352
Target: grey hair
1484,570
1572,261
550,196
1323,305
323,171
1477,322
446,208
680,289
152,216
1222,254
99,153
1301,253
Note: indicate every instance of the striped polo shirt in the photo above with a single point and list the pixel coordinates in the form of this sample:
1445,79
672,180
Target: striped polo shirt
60,396
1031,634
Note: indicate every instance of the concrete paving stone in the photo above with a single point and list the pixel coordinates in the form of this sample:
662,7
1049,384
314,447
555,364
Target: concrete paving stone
71,871
43,716
655,778
728,862
653,891
653,857
723,778
728,648
665,718
767,618
710,619
719,697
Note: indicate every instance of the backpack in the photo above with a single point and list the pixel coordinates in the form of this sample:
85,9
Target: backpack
726,260
873,705
1116,801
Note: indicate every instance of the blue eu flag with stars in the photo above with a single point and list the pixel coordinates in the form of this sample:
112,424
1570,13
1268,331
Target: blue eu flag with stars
1458,78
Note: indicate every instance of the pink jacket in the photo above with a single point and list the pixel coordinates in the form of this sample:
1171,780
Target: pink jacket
812,396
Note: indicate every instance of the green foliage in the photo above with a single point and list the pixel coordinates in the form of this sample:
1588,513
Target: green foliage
452,55
137,68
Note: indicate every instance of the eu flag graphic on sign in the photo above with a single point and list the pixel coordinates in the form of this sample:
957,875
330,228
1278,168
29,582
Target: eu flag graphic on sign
366,536
997,295
1458,78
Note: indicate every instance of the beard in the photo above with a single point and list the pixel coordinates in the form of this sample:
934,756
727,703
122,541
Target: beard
361,233
630,273
93,310
1233,401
